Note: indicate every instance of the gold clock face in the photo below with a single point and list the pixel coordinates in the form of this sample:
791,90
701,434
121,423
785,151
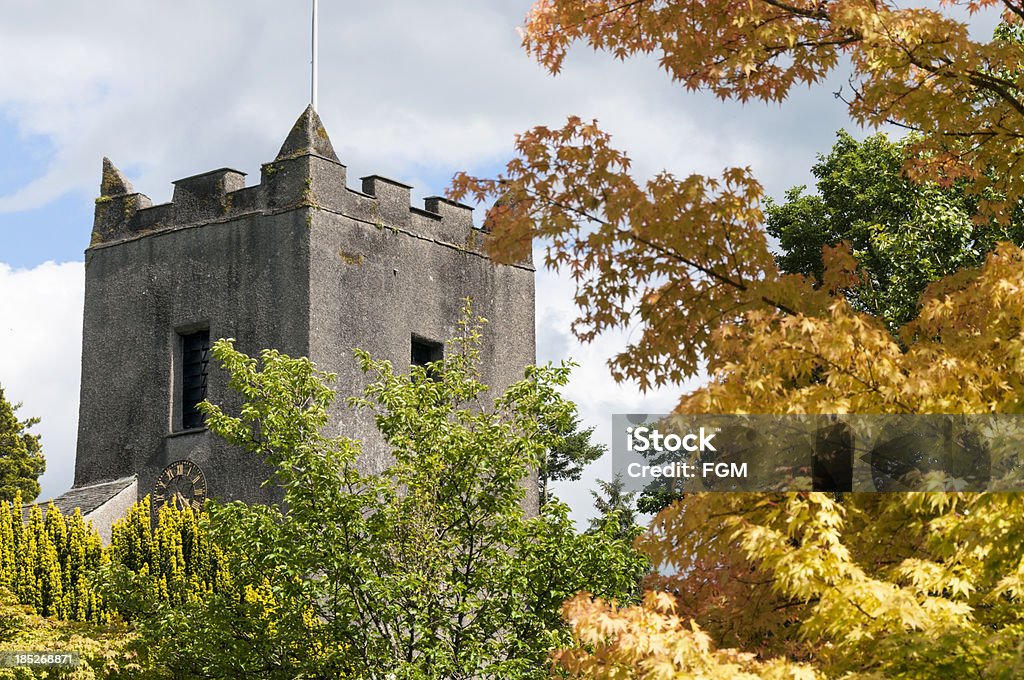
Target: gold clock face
182,483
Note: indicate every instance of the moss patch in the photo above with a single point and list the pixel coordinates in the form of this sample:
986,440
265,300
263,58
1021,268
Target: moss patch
350,258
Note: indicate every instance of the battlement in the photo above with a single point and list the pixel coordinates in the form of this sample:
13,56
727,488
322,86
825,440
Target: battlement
306,174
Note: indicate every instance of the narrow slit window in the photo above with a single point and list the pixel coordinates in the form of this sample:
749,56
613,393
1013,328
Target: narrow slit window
425,351
195,362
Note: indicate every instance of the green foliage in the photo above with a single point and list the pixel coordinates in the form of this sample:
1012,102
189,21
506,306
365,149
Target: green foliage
49,561
904,235
617,509
172,563
21,458
567,457
653,501
57,567
62,590
432,569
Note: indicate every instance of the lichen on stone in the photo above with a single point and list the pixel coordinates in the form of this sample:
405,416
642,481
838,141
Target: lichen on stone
350,258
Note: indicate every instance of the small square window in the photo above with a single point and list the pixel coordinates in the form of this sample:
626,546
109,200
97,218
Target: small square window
426,351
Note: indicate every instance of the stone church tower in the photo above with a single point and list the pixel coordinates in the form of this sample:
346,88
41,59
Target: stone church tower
300,263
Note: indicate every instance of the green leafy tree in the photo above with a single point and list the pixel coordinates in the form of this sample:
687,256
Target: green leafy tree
433,569
617,508
21,458
572,451
904,234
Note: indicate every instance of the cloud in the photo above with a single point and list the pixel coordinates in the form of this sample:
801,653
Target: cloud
168,90
40,357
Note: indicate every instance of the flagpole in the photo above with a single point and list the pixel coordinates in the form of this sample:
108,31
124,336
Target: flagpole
313,85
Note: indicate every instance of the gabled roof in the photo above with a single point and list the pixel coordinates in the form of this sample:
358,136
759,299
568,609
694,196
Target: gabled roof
88,498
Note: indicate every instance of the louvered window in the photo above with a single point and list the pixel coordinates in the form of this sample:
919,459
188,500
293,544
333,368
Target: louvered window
426,352
195,360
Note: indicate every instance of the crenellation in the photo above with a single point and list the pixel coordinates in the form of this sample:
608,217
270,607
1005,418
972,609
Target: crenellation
305,174
393,199
114,214
203,196
456,219
423,221
153,218
283,182
304,181
116,206
328,184
245,200
363,207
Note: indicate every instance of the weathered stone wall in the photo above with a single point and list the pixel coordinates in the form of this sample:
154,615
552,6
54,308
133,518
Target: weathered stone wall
300,263
376,286
116,507
246,279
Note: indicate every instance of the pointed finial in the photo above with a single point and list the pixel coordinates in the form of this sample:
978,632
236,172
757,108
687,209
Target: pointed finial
307,137
114,183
